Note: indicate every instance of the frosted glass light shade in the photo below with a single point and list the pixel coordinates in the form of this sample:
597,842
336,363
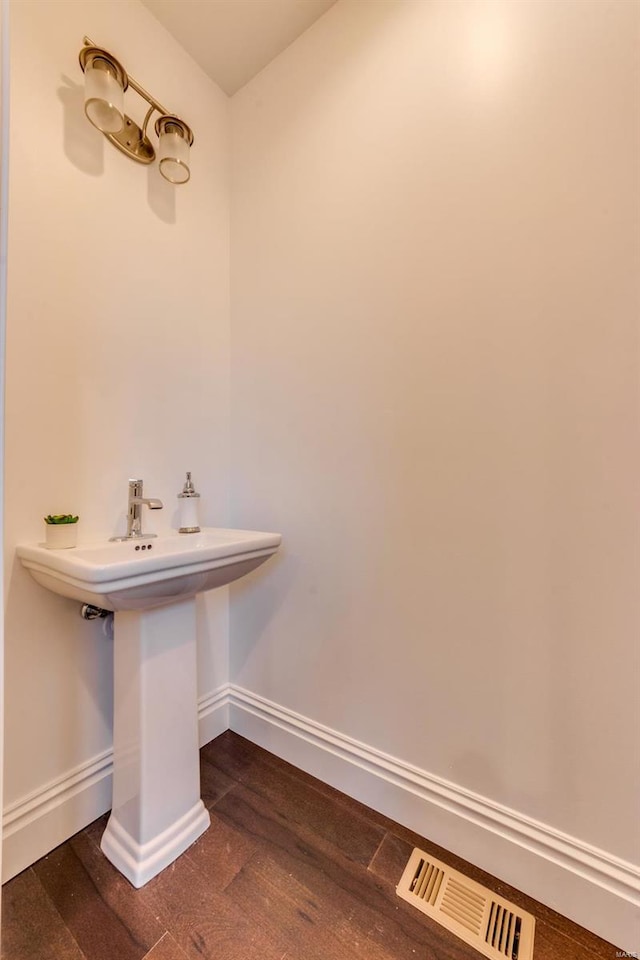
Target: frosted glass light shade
173,155
103,97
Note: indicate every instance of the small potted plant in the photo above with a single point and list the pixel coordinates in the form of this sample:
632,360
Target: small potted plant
62,531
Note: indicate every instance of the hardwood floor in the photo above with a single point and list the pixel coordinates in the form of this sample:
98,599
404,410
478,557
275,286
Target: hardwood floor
290,869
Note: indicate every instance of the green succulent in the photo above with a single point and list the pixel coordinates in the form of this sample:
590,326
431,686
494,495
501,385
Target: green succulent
61,518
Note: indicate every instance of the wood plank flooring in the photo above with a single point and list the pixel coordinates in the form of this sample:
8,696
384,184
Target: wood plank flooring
290,869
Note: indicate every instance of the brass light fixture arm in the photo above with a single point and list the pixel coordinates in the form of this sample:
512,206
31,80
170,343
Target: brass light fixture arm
152,109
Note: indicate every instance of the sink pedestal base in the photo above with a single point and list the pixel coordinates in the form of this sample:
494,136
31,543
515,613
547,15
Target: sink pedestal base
157,811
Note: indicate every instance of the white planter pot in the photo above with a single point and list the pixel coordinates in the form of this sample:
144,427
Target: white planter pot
61,536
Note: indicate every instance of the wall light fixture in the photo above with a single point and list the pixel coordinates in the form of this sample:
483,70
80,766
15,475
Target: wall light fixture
105,83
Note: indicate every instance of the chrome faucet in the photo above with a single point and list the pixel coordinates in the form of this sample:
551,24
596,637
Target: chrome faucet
134,512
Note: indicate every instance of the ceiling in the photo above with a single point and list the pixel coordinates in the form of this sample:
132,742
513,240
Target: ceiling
232,40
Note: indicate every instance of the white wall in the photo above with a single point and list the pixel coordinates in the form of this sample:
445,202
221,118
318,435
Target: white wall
434,398
117,366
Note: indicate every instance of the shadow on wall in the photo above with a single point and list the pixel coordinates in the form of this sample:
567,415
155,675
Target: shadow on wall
81,141
84,146
256,617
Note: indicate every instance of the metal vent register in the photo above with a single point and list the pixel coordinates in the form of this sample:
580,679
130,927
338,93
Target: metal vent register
496,928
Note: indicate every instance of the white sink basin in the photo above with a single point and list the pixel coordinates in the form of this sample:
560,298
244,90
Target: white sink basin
140,574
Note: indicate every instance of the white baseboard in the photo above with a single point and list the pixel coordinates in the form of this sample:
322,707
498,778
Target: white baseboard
592,887
597,890
33,825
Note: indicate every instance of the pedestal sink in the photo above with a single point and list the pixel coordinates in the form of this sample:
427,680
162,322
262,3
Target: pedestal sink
151,586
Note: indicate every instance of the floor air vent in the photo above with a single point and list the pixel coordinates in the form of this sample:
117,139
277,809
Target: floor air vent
496,928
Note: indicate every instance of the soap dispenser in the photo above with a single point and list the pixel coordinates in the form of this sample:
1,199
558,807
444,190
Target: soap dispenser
188,507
